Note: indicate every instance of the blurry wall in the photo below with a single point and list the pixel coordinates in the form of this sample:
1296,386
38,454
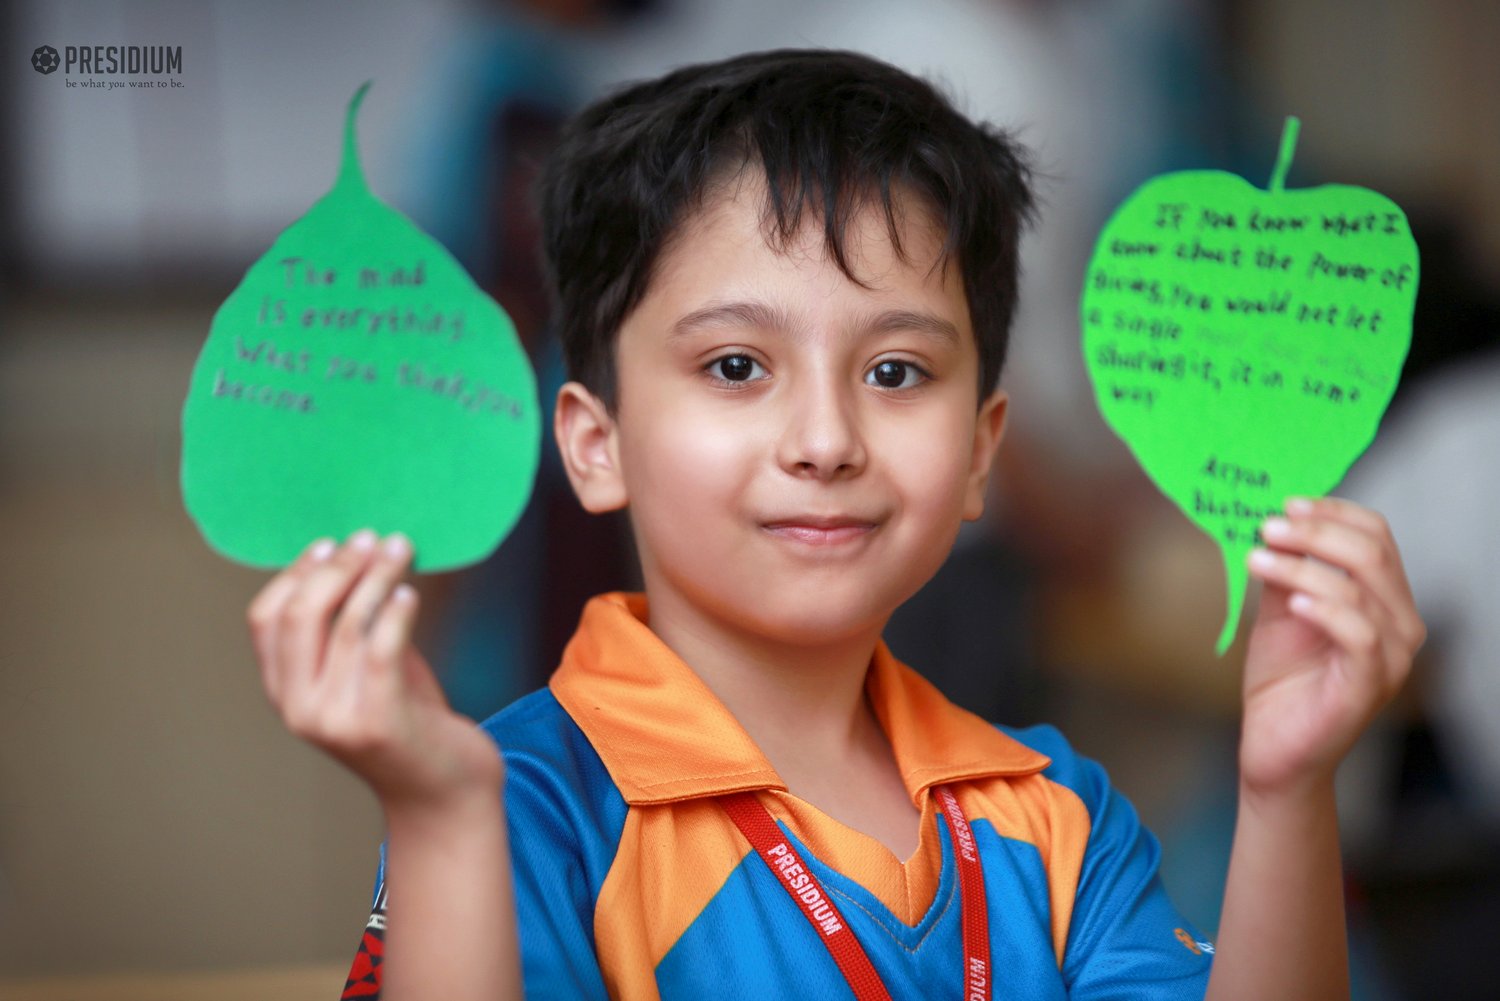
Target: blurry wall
116,187
1397,95
154,815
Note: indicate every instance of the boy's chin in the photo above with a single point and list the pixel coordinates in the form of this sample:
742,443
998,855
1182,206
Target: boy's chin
812,618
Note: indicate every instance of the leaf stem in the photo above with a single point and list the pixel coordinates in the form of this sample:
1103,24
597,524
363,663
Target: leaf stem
1236,579
350,172
1284,157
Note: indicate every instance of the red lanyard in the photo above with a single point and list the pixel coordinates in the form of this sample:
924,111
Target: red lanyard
759,828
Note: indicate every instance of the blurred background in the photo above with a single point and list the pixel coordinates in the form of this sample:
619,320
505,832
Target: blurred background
162,836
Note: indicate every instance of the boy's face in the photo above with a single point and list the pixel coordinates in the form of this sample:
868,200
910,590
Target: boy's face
797,452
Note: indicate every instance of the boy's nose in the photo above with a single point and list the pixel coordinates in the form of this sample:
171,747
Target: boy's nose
821,437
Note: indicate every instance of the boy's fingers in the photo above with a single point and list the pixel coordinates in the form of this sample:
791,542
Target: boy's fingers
302,636
1353,631
417,677
1336,597
1338,509
264,612
349,640
360,691
1368,555
1304,576
265,608
391,632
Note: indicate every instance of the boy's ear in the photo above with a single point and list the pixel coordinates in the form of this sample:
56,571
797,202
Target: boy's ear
587,438
989,427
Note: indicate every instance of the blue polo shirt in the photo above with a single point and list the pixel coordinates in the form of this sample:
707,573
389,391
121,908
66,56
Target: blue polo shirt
633,883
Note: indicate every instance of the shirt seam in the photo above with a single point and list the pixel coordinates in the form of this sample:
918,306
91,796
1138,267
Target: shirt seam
910,950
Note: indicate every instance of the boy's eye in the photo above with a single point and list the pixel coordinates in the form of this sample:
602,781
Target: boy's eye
895,375
735,368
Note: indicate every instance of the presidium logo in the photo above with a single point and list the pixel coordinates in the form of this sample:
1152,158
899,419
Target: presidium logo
44,60
146,66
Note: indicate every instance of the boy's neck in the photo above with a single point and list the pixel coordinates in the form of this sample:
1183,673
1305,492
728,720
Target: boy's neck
804,706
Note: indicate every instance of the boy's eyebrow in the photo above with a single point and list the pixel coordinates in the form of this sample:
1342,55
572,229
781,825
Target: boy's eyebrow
765,316
923,323
732,314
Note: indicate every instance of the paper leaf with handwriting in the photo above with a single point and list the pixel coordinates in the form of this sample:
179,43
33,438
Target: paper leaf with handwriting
1245,343
358,377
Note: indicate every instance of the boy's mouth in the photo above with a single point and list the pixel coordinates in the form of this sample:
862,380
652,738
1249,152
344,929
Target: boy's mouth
820,530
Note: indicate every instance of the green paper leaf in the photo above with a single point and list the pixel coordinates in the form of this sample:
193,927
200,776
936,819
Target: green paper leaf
358,377
1245,343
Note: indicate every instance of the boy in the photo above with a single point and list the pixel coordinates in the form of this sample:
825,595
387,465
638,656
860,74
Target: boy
784,283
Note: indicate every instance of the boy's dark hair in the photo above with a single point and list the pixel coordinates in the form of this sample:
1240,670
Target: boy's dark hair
830,130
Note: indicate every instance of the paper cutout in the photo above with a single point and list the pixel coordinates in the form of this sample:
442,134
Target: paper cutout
358,377
1245,343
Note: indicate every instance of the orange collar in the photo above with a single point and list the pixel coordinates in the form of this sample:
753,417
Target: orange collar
664,736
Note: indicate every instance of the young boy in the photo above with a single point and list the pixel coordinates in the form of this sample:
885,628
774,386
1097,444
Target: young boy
784,283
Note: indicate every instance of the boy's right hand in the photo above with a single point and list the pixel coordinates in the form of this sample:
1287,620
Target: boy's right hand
333,636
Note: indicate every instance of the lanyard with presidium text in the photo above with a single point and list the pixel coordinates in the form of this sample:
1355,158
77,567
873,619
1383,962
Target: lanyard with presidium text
759,828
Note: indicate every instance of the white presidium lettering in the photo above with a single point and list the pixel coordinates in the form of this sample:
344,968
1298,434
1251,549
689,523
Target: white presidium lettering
1245,343
357,377
804,887
977,978
961,830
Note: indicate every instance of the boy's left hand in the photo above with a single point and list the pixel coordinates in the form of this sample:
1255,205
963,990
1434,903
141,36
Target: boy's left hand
1332,643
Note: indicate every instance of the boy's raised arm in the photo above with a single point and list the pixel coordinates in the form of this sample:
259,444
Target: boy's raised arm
1332,643
333,637
452,925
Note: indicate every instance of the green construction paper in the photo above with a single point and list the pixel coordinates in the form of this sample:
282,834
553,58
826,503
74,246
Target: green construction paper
358,377
1245,343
